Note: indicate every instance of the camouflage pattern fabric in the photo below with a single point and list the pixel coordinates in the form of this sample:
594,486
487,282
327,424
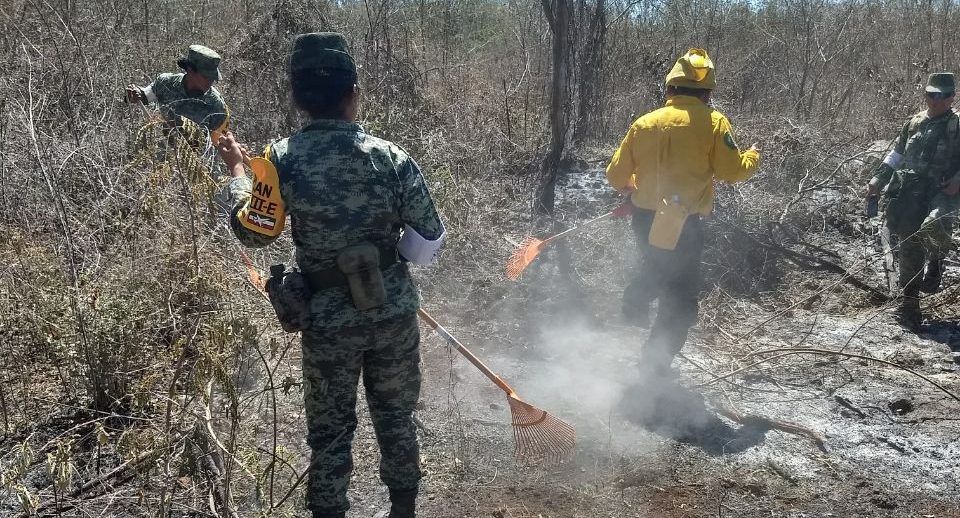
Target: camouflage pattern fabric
388,357
673,277
208,110
343,187
930,240
919,212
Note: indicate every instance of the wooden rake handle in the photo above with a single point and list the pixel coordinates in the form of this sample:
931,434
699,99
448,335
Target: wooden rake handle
454,343
578,227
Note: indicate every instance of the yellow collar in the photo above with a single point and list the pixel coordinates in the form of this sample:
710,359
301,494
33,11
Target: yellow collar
683,100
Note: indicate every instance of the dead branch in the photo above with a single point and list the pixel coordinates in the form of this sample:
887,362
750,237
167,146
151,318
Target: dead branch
211,462
783,352
123,469
776,424
810,261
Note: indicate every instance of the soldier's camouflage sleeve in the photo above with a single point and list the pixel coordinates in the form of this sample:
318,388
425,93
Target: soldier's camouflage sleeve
954,151
417,208
240,189
884,171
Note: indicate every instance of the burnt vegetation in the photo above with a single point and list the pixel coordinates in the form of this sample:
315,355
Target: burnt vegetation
141,375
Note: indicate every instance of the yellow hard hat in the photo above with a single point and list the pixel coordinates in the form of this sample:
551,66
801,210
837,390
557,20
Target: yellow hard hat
693,70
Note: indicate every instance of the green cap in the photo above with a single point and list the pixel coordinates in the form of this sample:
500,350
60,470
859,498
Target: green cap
941,82
205,60
325,50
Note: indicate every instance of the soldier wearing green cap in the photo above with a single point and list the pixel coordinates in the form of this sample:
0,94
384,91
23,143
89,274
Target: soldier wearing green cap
189,94
921,180
350,197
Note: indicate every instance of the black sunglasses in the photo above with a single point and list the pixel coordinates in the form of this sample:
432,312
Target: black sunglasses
938,95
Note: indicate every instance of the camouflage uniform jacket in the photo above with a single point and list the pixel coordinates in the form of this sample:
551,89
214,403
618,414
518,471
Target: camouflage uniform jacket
930,146
342,187
208,109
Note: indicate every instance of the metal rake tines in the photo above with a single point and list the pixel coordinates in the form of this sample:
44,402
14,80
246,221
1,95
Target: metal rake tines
522,257
539,436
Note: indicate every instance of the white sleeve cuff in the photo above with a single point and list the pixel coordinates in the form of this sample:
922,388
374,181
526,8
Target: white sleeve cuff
893,159
148,92
417,249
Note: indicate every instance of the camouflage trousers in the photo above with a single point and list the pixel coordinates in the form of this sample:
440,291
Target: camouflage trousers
673,278
924,234
387,355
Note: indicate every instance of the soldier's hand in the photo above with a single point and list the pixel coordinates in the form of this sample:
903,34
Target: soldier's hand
625,209
873,188
135,95
952,186
232,153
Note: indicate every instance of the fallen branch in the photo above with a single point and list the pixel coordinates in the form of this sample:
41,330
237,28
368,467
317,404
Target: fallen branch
122,469
809,261
775,424
780,353
211,463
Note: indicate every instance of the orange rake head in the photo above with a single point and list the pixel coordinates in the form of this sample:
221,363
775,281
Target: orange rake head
524,255
253,275
539,436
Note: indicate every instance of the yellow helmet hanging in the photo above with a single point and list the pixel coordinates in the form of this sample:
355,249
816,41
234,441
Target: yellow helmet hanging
693,70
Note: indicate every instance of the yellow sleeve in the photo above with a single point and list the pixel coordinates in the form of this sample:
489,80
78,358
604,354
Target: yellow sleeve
729,163
621,170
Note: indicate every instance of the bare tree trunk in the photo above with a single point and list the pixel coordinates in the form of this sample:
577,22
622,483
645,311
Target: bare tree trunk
591,76
558,14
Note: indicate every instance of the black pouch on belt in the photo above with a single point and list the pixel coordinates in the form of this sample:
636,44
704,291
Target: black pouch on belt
361,265
290,297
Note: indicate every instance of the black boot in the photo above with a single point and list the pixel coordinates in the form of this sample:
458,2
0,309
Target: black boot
327,514
933,276
403,503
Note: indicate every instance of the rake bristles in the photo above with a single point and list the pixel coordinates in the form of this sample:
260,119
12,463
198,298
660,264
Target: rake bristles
522,257
538,436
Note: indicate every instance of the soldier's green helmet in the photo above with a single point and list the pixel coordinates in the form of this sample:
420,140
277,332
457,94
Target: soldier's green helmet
941,83
321,50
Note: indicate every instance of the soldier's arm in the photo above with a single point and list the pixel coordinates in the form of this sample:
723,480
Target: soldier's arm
621,170
892,160
256,220
140,94
423,232
729,163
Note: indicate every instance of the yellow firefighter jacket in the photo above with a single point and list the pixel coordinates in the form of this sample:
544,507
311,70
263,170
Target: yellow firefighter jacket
677,150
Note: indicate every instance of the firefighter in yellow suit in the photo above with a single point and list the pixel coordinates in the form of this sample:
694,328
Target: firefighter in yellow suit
668,162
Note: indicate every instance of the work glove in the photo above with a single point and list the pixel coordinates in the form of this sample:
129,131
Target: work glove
625,209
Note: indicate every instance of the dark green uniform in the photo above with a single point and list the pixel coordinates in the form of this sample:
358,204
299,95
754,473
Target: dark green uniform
919,212
206,109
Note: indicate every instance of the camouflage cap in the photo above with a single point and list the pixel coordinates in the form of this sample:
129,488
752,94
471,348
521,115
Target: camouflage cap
205,60
326,50
940,82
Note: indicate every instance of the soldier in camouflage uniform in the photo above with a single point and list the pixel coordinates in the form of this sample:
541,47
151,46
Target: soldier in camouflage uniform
921,179
342,186
189,94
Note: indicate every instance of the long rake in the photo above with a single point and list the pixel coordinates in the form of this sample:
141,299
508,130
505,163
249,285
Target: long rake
538,436
530,247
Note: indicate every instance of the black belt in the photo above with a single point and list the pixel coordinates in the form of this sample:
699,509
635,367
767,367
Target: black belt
334,278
